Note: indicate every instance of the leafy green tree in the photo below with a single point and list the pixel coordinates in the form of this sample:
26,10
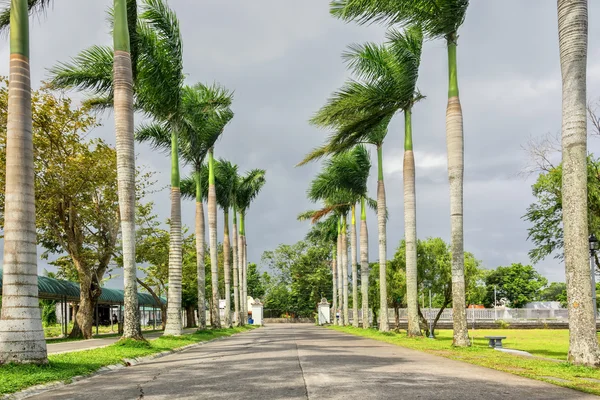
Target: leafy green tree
439,19
434,264
325,232
301,277
518,283
256,282
553,292
545,214
77,208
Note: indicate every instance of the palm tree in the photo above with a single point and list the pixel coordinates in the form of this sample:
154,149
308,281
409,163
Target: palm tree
363,109
249,186
438,19
161,97
20,308
227,179
326,231
206,110
123,105
364,264
341,184
573,38
157,76
344,140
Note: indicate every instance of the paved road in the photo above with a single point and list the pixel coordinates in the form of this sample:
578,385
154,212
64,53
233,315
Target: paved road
306,362
66,347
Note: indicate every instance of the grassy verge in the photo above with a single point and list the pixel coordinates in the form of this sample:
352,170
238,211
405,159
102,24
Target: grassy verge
99,336
567,375
63,367
54,331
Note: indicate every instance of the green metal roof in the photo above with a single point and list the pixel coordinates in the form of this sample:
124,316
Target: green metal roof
57,289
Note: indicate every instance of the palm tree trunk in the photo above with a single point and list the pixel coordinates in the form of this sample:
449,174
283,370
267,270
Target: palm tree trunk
174,324
334,284
212,234
236,293
364,264
573,38
354,269
340,289
21,334
200,267
245,284
345,271
410,229
243,301
123,104
455,145
226,268
381,222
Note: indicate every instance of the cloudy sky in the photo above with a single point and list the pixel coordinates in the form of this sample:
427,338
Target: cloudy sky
283,60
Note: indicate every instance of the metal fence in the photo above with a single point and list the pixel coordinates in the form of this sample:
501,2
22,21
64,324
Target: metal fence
483,314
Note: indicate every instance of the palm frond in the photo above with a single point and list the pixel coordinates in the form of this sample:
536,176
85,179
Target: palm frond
158,135
187,186
437,18
324,230
314,155
249,186
99,103
160,63
91,70
206,111
226,181
34,6
306,215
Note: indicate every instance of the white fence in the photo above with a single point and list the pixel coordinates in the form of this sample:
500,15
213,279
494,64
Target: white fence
484,314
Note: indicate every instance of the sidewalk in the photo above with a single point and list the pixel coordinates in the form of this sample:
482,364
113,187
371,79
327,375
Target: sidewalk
77,345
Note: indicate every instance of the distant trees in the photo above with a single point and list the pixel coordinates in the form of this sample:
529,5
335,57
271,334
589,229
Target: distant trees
301,277
518,283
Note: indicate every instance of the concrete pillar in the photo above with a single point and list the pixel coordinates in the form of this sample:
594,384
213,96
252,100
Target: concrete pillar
324,316
257,313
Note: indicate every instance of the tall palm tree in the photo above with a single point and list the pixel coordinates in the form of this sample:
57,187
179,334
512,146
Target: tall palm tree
362,109
364,264
227,179
123,105
20,308
207,111
162,53
157,88
341,184
212,237
326,232
573,38
439,19
236,280
248,188
342,141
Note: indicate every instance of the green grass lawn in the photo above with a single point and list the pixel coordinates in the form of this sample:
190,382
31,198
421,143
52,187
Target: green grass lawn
53,331
539,342
63,367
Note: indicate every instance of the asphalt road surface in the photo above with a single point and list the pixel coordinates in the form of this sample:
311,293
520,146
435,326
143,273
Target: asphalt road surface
297,361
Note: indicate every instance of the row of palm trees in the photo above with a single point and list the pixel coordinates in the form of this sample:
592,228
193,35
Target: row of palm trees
385,83
144,73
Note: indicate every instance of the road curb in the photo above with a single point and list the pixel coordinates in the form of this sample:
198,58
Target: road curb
126,362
